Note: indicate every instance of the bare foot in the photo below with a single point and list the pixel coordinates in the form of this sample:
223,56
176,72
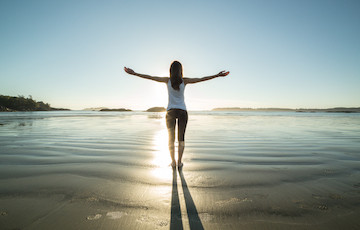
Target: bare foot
180,165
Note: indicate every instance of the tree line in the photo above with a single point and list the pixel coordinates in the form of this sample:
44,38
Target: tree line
20,103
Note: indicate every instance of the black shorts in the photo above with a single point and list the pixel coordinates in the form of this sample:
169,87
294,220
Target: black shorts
182,117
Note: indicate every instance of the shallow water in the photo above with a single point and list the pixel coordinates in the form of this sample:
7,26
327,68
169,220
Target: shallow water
110,170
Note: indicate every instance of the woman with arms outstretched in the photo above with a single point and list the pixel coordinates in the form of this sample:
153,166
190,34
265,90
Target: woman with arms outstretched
176,109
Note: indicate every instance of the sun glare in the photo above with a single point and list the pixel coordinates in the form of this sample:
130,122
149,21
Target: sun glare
159,94
161,158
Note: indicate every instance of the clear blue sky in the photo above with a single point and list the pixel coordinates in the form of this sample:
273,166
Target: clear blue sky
281,53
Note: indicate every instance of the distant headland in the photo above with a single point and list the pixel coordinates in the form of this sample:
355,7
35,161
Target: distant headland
20,103
156,109
329,110
115,110
104,109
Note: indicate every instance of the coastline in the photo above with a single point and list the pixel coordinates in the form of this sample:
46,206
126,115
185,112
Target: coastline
232,109
328,110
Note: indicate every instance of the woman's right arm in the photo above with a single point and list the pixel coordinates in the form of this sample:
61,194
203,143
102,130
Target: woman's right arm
197,80
158,79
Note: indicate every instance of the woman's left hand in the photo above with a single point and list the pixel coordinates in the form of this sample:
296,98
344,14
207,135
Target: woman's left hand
223,73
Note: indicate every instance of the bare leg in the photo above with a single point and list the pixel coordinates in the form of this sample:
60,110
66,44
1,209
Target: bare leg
172,153
182,122
170,123
181,148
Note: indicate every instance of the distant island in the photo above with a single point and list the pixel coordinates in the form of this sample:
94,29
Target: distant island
94,109
329,110
20,103
156,109
104,109
115,110
251,109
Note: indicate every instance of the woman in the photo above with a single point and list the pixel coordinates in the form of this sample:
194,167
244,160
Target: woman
176,109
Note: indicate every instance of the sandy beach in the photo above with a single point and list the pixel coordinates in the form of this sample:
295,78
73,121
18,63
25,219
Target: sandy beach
242,170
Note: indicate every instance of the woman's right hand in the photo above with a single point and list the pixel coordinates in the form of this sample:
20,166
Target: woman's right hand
223,73
129,71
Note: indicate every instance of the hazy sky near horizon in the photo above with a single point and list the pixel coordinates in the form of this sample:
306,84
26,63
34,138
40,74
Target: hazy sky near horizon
280,53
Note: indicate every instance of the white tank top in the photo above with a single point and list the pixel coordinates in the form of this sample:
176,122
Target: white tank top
176,97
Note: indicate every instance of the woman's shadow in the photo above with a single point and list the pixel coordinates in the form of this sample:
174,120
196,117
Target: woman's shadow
176,218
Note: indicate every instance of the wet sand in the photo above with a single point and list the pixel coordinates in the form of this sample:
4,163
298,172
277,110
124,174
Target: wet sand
90,170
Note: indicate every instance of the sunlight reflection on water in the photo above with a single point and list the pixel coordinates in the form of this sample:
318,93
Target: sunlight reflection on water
161,158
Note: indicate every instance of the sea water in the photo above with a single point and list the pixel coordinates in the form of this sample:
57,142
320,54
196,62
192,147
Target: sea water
237,138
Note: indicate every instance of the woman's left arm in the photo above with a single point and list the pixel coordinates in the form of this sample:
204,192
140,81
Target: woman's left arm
197,80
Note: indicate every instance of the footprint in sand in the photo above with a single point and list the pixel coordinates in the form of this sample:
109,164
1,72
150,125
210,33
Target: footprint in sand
3,214
233,200
323,207
315,196
149,219
94,217
206,217
336,196
115,215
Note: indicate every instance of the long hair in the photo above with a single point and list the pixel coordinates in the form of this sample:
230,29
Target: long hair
176,75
